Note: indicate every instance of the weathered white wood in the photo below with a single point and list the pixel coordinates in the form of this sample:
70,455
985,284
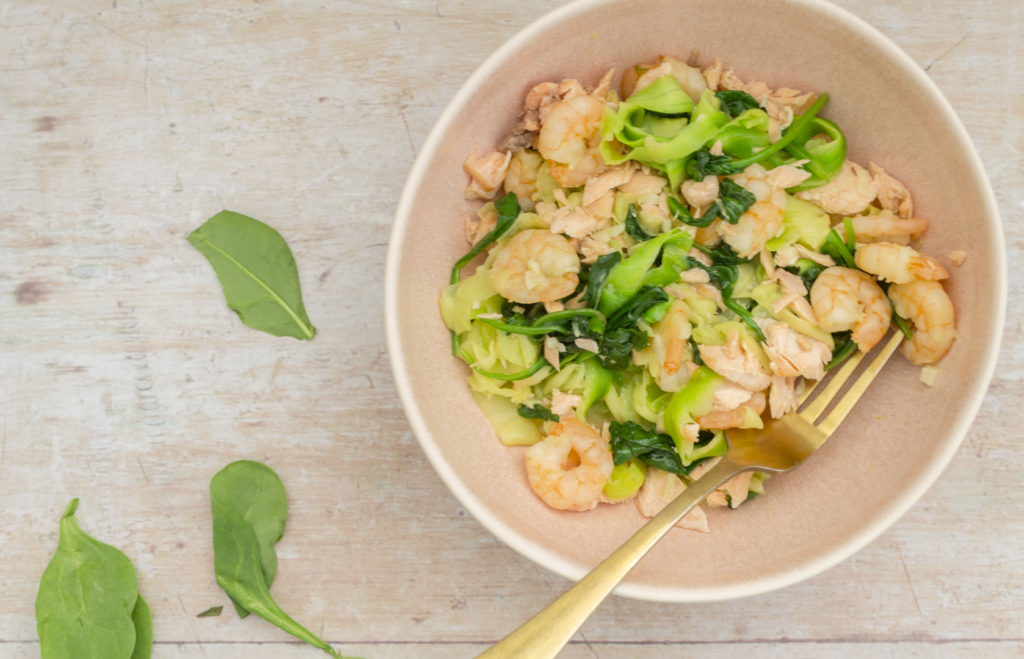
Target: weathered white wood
127,382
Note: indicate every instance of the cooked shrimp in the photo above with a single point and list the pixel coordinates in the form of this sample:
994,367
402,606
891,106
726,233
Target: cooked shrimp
535,266
848,193
763,221
569,468
892,195
487,173
844,299
703,193
926,304
521,177
570,137
660,488
869,228
736,362
898,264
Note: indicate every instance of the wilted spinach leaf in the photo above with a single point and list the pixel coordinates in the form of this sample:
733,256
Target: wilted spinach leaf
630,440
633,227
621,335
844,348
257,271
598,275
508,211
733,201
537,411
735,102
703,163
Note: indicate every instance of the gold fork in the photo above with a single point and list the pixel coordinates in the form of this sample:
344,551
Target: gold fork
780,446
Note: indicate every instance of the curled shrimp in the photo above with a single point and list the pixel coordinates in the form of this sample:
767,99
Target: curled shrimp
763,220
570,138
869,228
535,266
898,264
926,304
569,468
521,176
845,299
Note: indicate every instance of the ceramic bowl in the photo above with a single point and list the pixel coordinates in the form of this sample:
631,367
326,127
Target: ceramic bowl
900,436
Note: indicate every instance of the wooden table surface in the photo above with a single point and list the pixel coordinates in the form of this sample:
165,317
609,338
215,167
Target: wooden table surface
127,382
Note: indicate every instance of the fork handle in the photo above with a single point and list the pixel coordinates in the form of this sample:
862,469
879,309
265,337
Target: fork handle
543,635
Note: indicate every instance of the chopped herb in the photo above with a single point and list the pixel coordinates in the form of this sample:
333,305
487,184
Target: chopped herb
212,612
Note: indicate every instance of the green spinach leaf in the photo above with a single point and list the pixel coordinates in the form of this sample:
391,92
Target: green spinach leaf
598,274
622,336
704,163
254,492
537,411
630,440
257,271
88,606
633,227
736,103
508,211
142,619
844,348
733,201
249,510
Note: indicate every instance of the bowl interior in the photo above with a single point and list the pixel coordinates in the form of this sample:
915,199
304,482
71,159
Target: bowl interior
898,438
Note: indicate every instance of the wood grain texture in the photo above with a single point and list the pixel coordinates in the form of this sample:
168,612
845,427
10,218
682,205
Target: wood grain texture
127,382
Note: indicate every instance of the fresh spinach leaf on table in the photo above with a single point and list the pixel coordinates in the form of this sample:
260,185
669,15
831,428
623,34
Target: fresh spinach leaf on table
88,606
249,510
142,619
257,271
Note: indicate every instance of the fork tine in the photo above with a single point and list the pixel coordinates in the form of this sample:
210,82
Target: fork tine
819,404
843,407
